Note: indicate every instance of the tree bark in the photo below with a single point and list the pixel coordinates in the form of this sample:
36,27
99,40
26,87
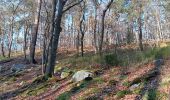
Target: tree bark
140,31
10,38
55,38
102,27
82,29
34,35
53,46
95,26
2,42
78,42
25,41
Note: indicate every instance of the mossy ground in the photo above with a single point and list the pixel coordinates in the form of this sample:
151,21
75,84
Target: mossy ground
111,75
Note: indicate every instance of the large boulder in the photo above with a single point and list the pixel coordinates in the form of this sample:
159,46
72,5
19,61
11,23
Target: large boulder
18,67
81,75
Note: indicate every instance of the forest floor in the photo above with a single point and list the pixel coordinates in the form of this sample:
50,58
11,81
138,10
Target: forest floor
142,79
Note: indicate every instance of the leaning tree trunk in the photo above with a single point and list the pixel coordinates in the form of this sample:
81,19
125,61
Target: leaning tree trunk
34,35
102,27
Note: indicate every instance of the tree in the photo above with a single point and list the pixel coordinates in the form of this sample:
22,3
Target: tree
34,33
55,37
102,26
140,27
82,28
95,3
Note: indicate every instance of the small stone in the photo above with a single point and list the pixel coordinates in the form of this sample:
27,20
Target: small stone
29,70
1,68
21,83
57,62
64,74
134,86
55,86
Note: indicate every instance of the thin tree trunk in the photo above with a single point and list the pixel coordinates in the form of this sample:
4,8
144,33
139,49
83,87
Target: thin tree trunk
82,30
140,30
102,27
2,42
78,42
34,35
25,41
10,39
95,25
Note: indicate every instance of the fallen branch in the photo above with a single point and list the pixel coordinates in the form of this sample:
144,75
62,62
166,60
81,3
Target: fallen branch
5,61
147,76
152,73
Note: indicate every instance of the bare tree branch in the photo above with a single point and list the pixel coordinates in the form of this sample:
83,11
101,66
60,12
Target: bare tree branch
72,6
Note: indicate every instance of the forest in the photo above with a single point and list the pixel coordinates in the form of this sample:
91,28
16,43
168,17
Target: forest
84,49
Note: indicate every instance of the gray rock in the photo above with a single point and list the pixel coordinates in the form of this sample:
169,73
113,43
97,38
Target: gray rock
57,62
134,86
81,75
18,67
159,62
55,86
1,68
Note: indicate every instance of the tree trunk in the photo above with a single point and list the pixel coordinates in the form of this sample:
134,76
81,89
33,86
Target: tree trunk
34,35
78,42
95,25
2,42
140,33
55,38
45,48
53,46
82,44
10,38
82,30
25,41
102,27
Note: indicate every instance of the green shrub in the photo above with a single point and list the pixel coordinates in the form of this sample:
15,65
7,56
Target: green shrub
97,59
3,58
164,52
139,57
13,79
151,52
111,59
121,94
152,94
99,80
64,96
